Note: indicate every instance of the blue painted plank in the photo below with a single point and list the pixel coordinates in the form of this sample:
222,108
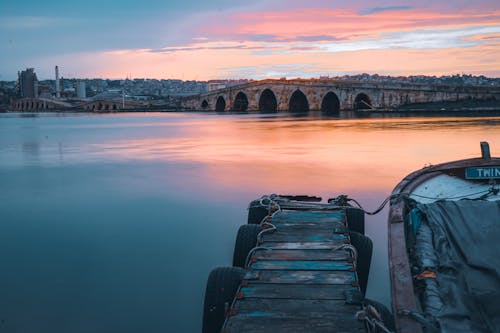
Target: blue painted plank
305,254
305,277
303,245
297,291
303,265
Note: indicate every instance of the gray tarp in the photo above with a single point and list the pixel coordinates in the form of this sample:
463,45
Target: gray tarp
466,238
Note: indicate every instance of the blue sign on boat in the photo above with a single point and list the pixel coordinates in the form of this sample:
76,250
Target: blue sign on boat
483,173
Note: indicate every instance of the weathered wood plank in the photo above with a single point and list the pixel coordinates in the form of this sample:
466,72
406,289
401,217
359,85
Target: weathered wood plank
306,254
401,280
305,277
307,216
277,315
303,265
309,227
308,206
303,245
250,324
296,291
298,308
297,236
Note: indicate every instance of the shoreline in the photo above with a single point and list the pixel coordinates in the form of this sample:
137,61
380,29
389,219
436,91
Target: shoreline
399,111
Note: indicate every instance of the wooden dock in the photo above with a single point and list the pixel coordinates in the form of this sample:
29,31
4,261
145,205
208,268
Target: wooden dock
301,274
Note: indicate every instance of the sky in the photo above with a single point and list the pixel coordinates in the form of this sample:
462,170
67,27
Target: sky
255,39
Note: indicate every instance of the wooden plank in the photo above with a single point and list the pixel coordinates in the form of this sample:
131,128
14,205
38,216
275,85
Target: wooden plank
307,216
294,237
303,265
308,206
297,291
306,277
308,226
279,315
401,280
302,255
317,225
303,245
251,324
298,308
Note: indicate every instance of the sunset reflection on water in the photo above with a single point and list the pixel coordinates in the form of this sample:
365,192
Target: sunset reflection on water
304,155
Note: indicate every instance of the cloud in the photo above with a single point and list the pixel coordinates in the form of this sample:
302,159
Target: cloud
427,39
317,25
384,9
445,37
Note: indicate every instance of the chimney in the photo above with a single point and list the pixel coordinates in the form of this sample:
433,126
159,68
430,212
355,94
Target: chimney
58,88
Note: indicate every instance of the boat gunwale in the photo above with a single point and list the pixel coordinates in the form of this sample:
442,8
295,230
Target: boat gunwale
401,280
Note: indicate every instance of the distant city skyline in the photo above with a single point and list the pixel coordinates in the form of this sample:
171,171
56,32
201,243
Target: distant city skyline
195,40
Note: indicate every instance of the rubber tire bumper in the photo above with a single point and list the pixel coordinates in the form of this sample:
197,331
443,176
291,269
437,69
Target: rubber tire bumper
222,285
256,212
246,240
355,219
364,247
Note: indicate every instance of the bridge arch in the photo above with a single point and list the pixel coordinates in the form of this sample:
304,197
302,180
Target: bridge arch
240,102
330,103
204,104
220,105
268,101
362,102
298,102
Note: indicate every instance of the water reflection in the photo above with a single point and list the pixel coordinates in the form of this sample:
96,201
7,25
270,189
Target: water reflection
116,223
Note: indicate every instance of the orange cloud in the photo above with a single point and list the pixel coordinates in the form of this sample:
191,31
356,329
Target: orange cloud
206,63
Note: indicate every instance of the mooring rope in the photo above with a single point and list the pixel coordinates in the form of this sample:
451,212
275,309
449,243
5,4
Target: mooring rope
344,199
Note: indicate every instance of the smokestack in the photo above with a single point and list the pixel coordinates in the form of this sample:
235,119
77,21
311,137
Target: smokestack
58,88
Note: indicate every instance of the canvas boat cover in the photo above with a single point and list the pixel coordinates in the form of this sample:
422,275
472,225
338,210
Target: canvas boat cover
460,242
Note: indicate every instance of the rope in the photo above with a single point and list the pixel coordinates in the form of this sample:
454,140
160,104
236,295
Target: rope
349,247
343,200
265,230
373,319
257,248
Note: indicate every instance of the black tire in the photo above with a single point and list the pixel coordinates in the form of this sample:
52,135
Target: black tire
364,247
384,312
256,212
355,219
246,239
222,285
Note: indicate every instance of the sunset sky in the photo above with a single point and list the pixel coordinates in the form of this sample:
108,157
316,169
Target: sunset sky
200,40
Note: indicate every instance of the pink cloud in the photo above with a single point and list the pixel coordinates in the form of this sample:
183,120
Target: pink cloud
339,24
206,63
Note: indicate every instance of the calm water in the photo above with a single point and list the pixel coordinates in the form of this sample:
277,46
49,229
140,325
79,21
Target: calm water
112,222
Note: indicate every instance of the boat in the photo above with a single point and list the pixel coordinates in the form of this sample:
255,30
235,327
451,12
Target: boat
443,233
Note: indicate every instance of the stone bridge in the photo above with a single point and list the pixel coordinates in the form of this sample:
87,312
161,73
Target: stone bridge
331,96
109,105
46,104
38,104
